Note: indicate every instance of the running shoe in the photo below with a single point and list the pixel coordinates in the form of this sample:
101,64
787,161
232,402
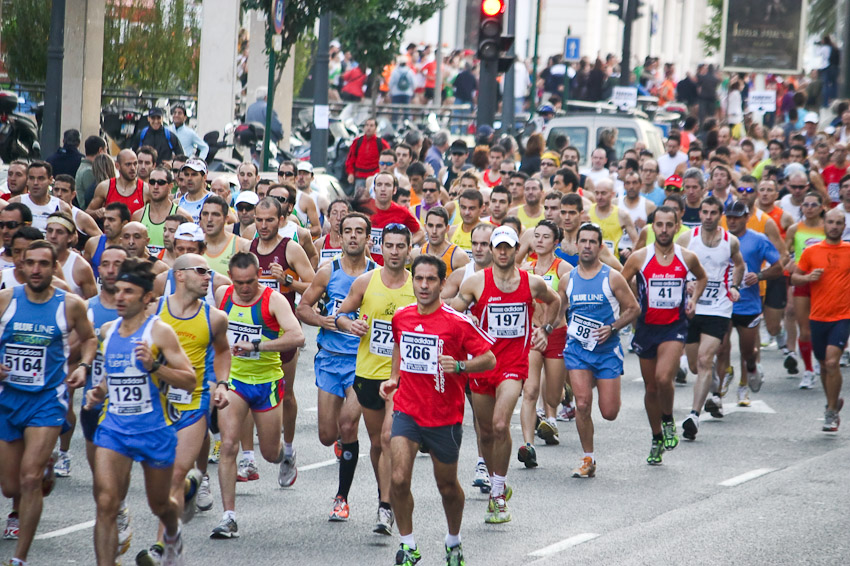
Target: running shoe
151,556
655,452
227,528
754,380
548,432
714,406
845,359
791,364
384,522
288,471
48,480
62,467
671,439
727,381
340,511
125,533
509,492
454,556
215,453
482,478
247,471
587,468
204,500
407,556
743,396
831,420
527,455
173,553
567,412
190,494
497,511
681,375
13,526
338,449
690,426
808,380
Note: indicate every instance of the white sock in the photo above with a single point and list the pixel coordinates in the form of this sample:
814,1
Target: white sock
288,450
217,436
683,363
452,540
497,485
229,515
590,455
480,460
408,540
551,421
249,454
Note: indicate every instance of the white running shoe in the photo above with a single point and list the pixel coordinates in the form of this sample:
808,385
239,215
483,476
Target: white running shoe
288,471
204,500
845,359
743,396
125,533
754,380
62,467
808,380
173,553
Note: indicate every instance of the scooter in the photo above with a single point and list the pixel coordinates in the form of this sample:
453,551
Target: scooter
18,133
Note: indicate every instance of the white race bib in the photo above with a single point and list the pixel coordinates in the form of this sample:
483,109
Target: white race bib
711,295
665,293
420,353
179,396
26,364
238,332
377,240
581,328
97,372
506,320
609,244
272,284
129,394
333,308
328,255
381,338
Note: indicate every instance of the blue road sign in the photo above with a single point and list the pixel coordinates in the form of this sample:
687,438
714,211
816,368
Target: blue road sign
572,49
278,16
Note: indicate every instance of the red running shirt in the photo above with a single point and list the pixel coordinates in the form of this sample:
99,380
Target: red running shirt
430,396
395,214
134,202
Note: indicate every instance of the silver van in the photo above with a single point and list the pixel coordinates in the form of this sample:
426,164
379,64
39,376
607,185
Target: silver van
583,131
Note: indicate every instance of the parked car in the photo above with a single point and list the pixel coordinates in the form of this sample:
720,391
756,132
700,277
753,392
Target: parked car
583,131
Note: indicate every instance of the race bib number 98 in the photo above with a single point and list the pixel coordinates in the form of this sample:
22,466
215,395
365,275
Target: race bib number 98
381,338
420,353
506,320
581,329
26,364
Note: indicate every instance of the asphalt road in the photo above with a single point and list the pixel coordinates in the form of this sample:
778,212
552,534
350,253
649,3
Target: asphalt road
761,486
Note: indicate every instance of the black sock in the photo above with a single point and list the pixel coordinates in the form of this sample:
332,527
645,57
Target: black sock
347,465
666,418
659,437
695,413
386,506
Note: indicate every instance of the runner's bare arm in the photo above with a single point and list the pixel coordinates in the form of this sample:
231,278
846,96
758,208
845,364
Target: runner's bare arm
469,291
304,311
95,207
350,305
75,309
641,241
87,225
607,257
629,309
628,225
221,362
291,335
452,285
297,258
389,386
738,267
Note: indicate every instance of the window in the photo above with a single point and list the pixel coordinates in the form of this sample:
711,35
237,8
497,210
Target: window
576,135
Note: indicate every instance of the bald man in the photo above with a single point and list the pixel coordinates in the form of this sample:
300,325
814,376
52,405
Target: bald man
134,239
127,187
221,187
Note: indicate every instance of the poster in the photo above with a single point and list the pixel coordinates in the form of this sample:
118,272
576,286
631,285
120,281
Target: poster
764,36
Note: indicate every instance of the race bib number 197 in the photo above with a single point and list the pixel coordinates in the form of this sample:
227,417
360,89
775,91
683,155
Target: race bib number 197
506,320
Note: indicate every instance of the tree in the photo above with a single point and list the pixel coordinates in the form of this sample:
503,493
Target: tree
373,30
710,32
823,16
25,30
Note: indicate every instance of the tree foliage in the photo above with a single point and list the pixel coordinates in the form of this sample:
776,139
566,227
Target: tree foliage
710,32
823,16
25,30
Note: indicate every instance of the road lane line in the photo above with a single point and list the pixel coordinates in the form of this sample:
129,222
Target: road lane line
323,464
563,545
738,480
66,530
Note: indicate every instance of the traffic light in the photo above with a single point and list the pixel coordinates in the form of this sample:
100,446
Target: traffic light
616,8
490,29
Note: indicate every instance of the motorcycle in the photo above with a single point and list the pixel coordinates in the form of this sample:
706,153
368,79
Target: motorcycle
18,133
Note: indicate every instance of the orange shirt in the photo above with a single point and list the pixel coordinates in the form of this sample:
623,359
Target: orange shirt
830,299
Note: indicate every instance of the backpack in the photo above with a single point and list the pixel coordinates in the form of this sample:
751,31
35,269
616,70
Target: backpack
167,136
403,82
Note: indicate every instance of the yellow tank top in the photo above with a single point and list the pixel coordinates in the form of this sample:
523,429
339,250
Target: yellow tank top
446,255
611,229
374,356
219,263
195,336
526,220
650,235
462,239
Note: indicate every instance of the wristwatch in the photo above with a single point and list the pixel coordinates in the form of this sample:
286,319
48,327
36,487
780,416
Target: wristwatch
548,328
225,383
85,365
256,344
735,287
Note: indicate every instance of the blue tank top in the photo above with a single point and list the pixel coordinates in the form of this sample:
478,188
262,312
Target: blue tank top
592,305
194,207
338,286
136,401
756,249
571,259
98,315
34,342
95,259
171,285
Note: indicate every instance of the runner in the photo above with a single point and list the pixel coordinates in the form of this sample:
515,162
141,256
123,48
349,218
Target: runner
194,173
16,276
500,204
37,197
141,354
599,304
76,271
433,347
172,222
34,328
373,299
825,267
693,187
155,213
127,188
714,247
529,209
436,227
202,332
470,203
432,195
335,363
572,211
260,326
330,245
384,212
220,244
134,239
505,295
188,239
14,216
244,205
64,188
662,271
637,207
547,238
115,216
614,222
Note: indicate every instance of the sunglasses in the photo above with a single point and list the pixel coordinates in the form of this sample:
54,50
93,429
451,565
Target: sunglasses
386,163
160,182
284,200
673,188
244,207
285,174
430,190
458,153
747,190
809,205
200,270
395,226
11,224
799,187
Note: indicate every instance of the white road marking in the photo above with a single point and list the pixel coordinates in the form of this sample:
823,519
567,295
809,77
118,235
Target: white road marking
738,480
312,409
66,530
324,464
757,406
563,545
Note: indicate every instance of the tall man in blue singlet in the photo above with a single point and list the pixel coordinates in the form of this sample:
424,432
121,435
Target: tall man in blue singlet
34,380
142,357
599,304
339,411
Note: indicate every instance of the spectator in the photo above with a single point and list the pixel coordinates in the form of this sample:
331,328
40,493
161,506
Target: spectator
596,81
465,86
67,158
530,163
434,158
94,146
686,92
362,160
189,139
257,113
352,84
608,142
707,84
401,82
735,108
830,72
164,141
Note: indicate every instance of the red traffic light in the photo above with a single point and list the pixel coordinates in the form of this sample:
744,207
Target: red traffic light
492,7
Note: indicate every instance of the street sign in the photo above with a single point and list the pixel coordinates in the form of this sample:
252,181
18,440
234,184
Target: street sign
572,49
762,101
278,16
624,97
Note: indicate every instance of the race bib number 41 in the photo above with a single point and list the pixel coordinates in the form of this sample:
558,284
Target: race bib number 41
506,320
420,353
26,364
381,338
665,293
581,329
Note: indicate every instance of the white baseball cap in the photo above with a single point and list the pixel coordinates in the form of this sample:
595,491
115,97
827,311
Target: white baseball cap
812,118
504,235
196,164
304,166
250,197
189,232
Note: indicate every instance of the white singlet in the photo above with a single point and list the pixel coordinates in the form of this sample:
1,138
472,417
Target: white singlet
791,208
7,279
40,212
636,213
68,272
715,299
